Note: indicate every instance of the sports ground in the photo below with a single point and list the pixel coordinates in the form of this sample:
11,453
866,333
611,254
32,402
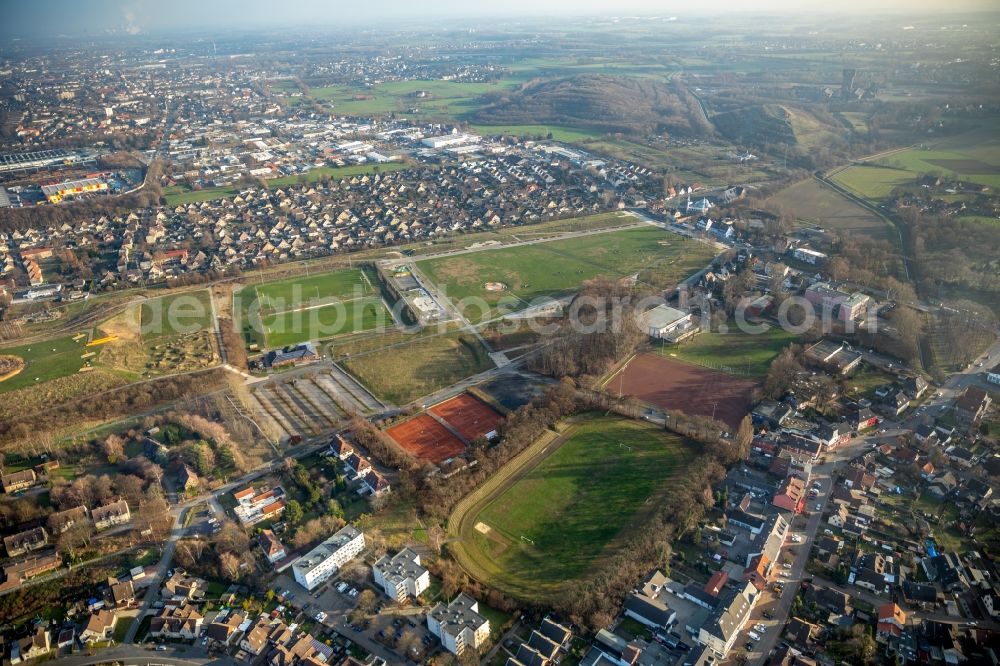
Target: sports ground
469,415
426,439
313,307
561,507
670,384
557,268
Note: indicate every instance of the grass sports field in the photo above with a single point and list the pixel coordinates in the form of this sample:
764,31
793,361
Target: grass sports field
46,360
735,352
326,321
294,292
813,203
543,528
313,307
559,267
403,373
184,313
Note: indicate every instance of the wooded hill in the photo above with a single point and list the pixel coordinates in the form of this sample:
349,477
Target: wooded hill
609,104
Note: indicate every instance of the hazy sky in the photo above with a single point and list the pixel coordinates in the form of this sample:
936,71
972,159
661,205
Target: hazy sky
50,17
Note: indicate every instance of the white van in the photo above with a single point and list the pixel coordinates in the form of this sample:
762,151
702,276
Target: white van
754,636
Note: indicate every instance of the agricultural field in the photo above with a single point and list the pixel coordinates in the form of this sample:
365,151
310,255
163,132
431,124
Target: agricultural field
559,267
817,205
402,373
972,156
873,182
671,384
550,523
734,352
810,133
312,403
857,120
449,99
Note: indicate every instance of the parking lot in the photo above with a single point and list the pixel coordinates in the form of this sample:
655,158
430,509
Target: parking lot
390,630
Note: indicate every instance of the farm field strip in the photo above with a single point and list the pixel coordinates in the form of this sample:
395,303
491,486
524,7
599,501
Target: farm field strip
304,404
288,415
356,390
338,395
319,400
264,413
307,422
272,410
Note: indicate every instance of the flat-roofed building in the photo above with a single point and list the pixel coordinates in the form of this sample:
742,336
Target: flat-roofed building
326,559
459,624
401,575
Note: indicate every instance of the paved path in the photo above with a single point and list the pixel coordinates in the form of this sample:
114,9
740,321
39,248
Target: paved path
177,531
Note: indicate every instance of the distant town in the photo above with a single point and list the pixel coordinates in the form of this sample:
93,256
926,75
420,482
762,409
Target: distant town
607,341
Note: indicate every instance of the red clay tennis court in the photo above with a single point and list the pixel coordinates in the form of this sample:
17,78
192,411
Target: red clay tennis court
669,384
468,415
427,439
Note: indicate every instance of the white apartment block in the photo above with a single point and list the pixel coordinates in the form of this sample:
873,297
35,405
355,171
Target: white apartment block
459,625
401,575
327,558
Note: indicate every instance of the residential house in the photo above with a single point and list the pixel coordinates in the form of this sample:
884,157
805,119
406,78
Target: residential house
401,575
111,514
35,646
18,572
971,406
801,633
376,484
920,595
100,626
891,620
17,481
273,549
459,625
60,521
857,477
26,541
253,507
181,587
915,386
720,630
183,622
186,477
791,495
223,629
649,603
122,593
